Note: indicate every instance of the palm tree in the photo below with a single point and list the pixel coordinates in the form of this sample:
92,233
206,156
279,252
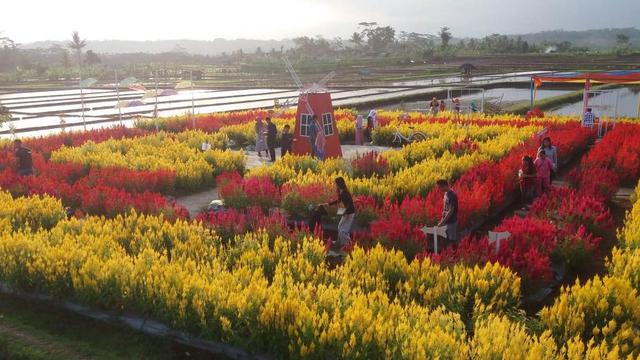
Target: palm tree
78,44
5,41
356,39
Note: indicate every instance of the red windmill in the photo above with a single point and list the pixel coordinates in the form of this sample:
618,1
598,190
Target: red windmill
315,100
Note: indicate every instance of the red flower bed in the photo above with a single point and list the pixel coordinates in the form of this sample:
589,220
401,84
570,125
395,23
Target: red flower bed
46,144
572,209
370,164
618,151
230,223
297,200
106,191
463,147
243,193
394,233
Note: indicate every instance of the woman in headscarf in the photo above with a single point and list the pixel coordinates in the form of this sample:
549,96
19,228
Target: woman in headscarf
359,133
261,144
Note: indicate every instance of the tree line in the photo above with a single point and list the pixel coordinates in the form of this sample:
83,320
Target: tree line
370,40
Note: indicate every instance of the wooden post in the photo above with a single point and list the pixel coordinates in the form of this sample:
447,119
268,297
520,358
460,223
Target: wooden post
496,237
435,231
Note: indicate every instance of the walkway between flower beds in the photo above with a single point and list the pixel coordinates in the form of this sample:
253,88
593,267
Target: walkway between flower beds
197,202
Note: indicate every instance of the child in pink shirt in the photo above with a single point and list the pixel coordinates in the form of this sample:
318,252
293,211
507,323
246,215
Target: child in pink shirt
544,166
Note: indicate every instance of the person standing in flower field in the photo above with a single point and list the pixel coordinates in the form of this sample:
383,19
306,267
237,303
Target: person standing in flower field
443,106
449,210
528,181
260,143
359,121
321,141
369,131
24,160
287,140
347,211
552,153
544,167
588,119
434,105
272,133
313,135
456,105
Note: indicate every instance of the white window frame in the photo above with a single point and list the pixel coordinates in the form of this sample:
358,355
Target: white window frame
326,124
305,124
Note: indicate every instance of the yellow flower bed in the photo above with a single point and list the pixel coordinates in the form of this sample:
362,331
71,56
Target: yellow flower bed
601,319
625,264
276,295
161,151
497,337
30,213
606,309
629,236
265,294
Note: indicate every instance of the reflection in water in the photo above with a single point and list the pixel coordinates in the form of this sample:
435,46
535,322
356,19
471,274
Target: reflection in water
605,104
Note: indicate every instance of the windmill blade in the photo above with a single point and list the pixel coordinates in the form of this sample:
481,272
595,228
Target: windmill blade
294,75
304,99
326,79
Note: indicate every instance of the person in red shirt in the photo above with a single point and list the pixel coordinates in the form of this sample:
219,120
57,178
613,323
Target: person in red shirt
544,168
528,181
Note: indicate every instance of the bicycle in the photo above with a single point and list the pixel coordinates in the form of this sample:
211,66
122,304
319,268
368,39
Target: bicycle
413,136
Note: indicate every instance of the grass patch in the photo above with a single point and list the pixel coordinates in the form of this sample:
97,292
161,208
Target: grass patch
32,330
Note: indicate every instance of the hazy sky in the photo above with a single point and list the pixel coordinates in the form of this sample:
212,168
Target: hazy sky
28,20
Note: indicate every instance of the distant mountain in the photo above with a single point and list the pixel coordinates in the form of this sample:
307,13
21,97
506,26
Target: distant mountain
214,47
595,39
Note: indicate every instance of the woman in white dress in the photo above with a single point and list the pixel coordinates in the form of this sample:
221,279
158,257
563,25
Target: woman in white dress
261,144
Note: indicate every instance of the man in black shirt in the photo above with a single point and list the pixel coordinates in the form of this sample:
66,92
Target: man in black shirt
449,210
287,140
272,132
23,158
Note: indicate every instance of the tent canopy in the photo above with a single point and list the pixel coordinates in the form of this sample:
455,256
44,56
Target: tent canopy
607,77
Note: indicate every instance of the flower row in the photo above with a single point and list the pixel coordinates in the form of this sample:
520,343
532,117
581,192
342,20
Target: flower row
604,310
482,190
179,153
402,178
105,191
